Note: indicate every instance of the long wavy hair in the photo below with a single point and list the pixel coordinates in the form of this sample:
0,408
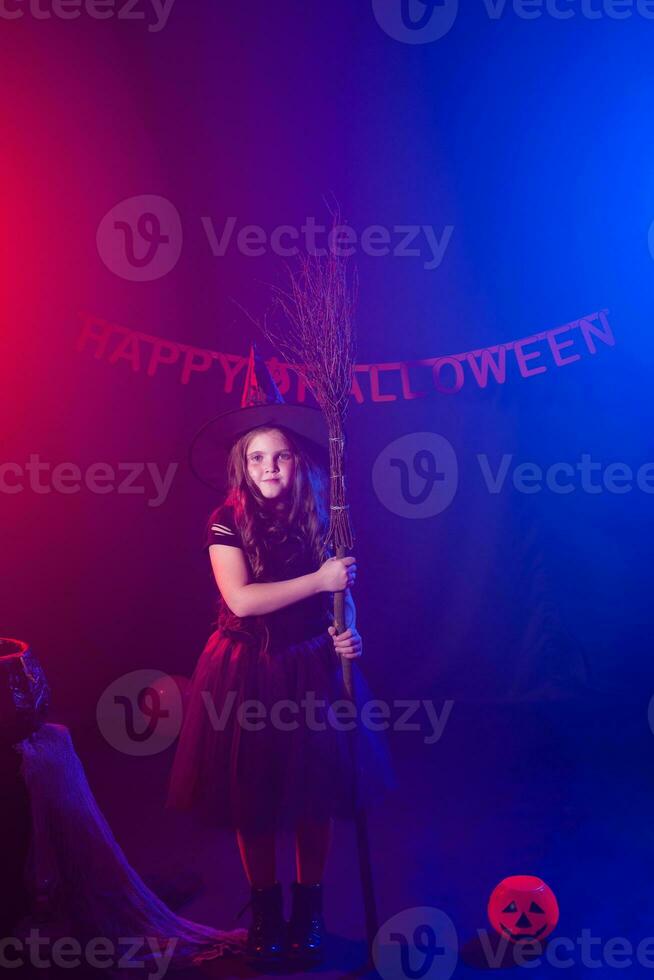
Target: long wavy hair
305,518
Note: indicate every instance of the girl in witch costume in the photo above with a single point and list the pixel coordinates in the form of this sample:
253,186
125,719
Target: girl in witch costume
266,743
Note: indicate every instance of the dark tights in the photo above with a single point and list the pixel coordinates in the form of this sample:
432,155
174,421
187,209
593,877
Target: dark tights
312,842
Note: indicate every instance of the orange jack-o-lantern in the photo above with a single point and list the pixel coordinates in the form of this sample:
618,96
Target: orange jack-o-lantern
523,908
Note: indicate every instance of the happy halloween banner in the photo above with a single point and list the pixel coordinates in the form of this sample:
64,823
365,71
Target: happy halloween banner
446,374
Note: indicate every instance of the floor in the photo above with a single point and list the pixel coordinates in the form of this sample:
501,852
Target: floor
564,791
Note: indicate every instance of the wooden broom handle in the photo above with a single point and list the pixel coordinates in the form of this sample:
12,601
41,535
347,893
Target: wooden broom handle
361,822
339,624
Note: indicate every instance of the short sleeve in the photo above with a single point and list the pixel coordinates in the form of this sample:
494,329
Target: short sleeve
222,529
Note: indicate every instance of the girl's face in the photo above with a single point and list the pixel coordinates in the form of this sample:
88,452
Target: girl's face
271,464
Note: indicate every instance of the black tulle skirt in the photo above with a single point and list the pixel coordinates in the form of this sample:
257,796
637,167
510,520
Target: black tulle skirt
270,738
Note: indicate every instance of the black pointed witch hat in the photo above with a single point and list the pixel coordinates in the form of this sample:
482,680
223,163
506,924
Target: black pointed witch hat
261,404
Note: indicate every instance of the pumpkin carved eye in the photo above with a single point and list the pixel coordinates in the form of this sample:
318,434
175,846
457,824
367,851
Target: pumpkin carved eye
534,907
511,908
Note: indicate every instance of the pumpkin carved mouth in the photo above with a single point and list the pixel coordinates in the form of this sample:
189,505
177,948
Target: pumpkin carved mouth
523,935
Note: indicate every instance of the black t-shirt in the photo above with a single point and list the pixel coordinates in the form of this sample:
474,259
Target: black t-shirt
288,559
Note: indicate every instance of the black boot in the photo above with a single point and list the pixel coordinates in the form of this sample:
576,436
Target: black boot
307,928
267,933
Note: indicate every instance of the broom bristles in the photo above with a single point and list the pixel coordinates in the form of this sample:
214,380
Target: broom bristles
319,342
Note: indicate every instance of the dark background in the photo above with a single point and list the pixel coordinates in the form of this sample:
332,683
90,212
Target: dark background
533,139
530,137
